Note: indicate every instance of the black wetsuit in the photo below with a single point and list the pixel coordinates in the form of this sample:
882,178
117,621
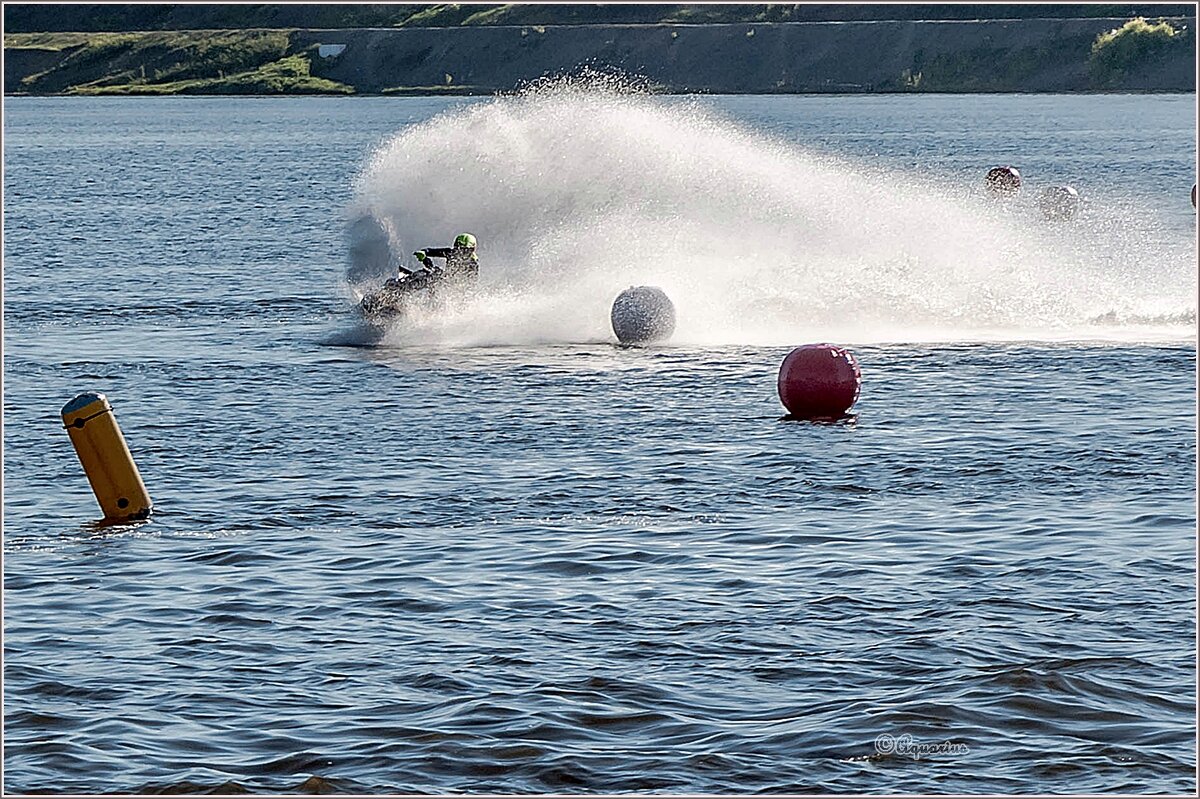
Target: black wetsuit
460,264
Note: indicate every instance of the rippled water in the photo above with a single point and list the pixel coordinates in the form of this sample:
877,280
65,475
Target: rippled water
498,553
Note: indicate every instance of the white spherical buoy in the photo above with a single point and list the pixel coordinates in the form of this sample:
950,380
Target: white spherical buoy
1059,203
643,314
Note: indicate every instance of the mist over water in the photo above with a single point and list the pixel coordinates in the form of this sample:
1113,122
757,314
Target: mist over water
579,189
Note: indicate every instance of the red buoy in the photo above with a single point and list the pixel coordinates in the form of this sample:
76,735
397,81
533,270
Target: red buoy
819,381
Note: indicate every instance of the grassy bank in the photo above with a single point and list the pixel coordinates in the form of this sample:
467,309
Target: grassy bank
1046,56
25,17
174,62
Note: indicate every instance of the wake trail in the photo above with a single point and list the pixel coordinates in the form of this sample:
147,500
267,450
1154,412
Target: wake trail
577,189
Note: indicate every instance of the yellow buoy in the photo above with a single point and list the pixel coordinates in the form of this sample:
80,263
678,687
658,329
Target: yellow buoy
105,457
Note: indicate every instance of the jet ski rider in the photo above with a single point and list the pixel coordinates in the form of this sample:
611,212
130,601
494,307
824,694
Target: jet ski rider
461,261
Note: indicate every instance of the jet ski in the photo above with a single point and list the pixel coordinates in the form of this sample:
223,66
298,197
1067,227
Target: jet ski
415,288
425,288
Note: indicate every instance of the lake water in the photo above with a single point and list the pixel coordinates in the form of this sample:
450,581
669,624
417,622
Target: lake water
489,550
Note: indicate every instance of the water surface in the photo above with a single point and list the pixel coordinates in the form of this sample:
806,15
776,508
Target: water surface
494,552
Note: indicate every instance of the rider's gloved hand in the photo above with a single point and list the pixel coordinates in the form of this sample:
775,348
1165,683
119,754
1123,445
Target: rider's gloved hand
419,255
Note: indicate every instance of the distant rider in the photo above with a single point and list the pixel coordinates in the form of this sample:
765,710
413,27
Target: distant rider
461,261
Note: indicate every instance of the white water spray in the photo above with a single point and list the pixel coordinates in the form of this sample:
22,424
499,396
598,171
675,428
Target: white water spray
578,189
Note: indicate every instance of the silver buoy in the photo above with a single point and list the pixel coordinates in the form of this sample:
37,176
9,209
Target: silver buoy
1059,203
643,314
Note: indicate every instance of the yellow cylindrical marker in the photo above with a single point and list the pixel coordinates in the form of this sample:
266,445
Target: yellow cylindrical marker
105,457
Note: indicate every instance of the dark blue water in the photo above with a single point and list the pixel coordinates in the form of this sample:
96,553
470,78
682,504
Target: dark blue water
542,563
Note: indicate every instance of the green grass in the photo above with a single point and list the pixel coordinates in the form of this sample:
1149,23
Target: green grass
221,53
46,41
174,62
288,75
444,15
447,89
1132,45
496,15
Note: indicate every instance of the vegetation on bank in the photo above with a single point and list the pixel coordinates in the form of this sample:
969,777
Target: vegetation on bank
115,17
289,75
175,62
1134,44
269,61
450,90
983,69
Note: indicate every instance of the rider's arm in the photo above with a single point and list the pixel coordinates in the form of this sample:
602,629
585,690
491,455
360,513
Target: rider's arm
423,258
438,252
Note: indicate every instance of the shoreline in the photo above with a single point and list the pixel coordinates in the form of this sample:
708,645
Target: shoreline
406,95
1034,56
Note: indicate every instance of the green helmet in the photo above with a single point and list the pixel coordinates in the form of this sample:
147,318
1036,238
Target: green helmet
465,240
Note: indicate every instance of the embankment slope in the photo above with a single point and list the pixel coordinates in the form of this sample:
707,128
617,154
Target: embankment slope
1034,55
